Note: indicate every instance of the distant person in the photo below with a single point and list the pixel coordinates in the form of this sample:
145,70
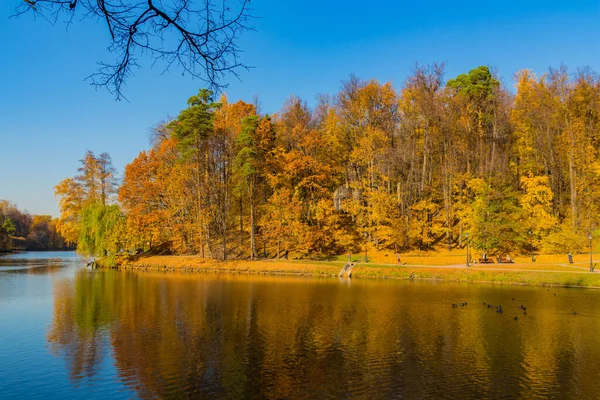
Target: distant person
397,258
570,258
285,255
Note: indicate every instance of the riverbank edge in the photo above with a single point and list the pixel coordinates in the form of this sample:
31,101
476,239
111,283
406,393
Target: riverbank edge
191,264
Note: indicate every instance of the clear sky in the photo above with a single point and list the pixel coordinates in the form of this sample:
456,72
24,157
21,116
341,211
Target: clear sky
49,115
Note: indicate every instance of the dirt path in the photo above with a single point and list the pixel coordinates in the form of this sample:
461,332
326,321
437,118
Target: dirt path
568,268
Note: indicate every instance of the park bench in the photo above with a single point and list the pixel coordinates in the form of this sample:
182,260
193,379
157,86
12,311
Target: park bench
485,261
504,260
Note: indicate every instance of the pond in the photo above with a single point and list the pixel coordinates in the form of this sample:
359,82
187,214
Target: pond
71,332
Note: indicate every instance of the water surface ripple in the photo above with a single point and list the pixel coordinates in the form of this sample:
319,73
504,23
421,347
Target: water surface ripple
71,332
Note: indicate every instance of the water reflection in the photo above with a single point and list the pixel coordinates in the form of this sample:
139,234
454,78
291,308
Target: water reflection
36,263
226,336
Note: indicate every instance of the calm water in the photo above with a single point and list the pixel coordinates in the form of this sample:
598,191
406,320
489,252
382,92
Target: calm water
70,332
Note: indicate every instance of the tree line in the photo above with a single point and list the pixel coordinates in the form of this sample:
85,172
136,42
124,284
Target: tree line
418,167
23,231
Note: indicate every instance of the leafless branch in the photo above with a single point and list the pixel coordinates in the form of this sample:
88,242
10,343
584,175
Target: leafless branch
198,37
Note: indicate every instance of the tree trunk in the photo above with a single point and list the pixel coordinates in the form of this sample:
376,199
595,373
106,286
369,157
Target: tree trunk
494,138
224,214
252,220
572,182
424,171
198,197
241,221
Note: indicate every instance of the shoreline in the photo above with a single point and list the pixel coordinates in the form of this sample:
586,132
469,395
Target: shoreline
514,274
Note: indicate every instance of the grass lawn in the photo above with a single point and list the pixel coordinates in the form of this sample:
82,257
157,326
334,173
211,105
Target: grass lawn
551,270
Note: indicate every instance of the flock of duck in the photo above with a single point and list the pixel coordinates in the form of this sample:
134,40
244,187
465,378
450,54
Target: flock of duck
499,307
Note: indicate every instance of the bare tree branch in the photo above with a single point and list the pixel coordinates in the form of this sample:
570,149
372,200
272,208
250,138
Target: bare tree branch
198,37
160,132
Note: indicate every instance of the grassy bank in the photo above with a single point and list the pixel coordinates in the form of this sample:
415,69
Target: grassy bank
543,274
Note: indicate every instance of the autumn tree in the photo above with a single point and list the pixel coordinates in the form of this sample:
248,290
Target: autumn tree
428,147
154,198
301,176
556,123
495,219
193,129
30,232
247,163
536,201
228,192
480,98
371,168
70,202
107,177
95,184
368,113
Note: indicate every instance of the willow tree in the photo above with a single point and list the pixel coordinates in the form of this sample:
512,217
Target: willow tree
98,224
94,185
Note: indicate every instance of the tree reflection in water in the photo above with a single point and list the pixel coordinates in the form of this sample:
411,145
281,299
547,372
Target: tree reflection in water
226,336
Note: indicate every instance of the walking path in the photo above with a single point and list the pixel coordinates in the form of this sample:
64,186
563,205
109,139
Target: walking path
520,267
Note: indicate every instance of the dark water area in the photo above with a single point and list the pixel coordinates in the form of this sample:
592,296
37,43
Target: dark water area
71,332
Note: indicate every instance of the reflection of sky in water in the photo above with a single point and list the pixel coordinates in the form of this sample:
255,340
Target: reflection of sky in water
41,255
29,275
28,367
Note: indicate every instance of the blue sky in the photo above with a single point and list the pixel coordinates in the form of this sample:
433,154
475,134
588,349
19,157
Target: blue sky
49,115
